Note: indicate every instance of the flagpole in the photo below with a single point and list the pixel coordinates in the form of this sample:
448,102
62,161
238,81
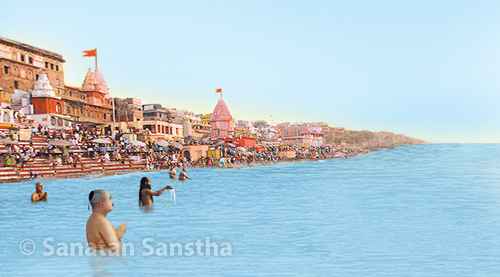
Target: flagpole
96,59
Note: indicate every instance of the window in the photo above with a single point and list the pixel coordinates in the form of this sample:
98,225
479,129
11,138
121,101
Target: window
52,66
30,60
59,122
53,120
16,85
58,108
22,57
67,110
36,76
57,82
46,64
57,67
6,69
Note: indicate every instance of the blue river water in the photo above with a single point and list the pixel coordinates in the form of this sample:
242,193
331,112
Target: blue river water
424,210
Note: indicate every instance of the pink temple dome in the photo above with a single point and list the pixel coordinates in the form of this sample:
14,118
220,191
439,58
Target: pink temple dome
221,121
221,112
101,82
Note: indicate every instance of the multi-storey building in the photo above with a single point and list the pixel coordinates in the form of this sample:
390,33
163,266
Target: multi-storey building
21,65
157,112
128,109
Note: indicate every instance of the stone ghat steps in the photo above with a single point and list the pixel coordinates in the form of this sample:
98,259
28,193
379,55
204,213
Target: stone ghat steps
44,169
38,144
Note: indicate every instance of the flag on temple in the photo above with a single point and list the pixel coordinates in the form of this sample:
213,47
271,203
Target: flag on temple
218,90
90,53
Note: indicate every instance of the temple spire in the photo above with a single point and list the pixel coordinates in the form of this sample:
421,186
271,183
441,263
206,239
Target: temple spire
89,84
43,87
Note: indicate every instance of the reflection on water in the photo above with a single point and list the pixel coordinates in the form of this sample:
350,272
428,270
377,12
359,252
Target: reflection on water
147,209
101,264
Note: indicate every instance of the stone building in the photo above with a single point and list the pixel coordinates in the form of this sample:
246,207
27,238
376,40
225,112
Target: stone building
42,105
157,112
128,109
300,134
21,65
90,104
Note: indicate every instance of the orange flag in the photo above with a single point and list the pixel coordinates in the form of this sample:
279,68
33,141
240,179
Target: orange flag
90,53
218,90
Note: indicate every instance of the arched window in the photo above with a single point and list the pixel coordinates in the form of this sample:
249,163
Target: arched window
53,121
58,108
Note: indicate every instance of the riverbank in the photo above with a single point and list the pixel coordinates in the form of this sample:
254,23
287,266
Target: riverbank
40,170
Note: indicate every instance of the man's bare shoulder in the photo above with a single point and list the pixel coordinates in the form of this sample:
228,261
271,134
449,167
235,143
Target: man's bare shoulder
98,220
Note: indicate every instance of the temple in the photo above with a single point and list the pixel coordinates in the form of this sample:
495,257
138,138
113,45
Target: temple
33,89
221,121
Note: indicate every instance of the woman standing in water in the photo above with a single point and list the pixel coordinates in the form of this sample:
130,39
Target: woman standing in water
146,194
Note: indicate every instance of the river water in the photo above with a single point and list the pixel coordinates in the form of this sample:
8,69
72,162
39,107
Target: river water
425,210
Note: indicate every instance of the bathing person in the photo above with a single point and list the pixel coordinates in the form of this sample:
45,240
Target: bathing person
39,195
146,194
183,176
172,172
100,233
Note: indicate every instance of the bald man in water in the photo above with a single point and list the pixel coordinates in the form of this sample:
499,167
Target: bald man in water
183,176
100,233
39,194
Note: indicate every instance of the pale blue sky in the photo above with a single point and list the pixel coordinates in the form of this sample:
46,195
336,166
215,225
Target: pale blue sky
427,69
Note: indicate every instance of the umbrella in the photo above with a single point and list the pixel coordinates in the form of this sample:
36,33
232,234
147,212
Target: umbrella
219,142
177,145
58,142
245,153
162,143
241,148
138,143
206,140
231,145
8,141
103,141
191,137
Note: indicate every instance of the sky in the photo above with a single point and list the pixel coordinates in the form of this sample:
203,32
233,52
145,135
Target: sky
426,69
